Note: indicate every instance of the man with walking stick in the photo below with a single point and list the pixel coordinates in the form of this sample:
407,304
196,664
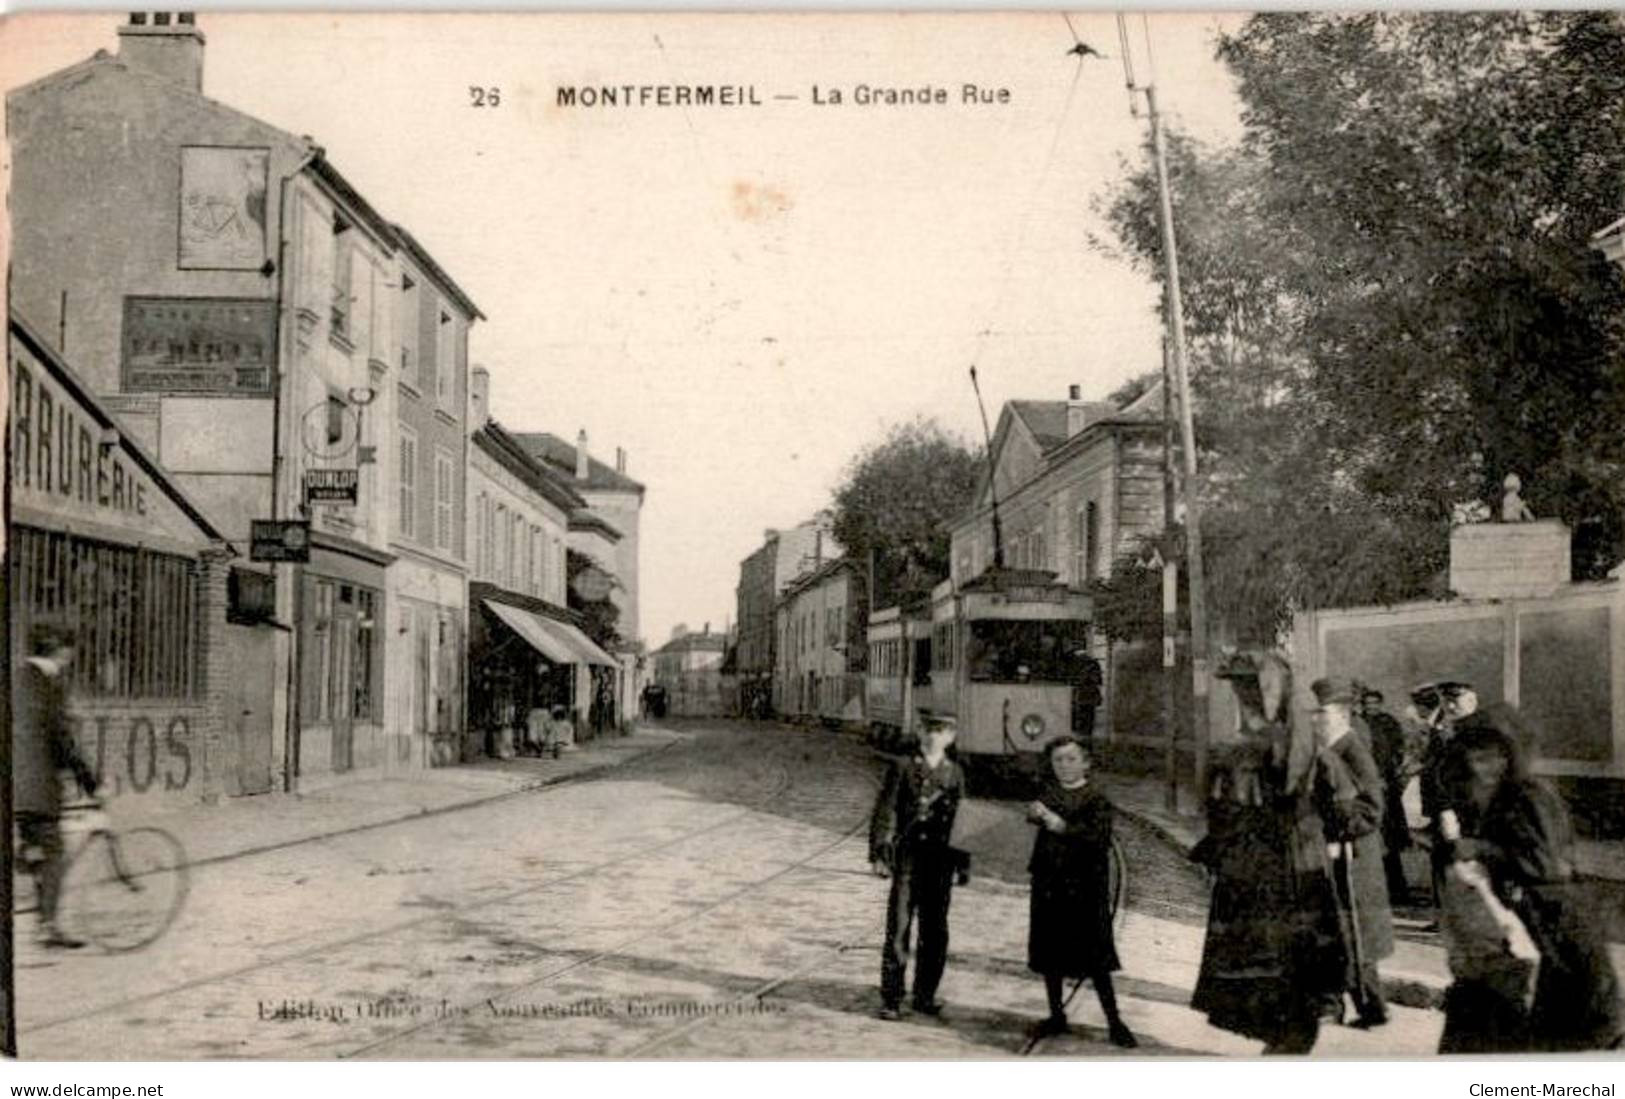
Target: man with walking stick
1349,797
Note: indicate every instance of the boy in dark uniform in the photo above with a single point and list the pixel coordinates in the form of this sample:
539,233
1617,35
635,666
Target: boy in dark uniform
908,840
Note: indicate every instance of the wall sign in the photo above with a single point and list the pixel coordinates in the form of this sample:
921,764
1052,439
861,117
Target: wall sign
331,486
222,208
199,345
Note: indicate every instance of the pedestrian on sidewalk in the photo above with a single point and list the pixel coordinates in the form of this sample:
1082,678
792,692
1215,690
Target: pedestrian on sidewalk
42,747
1273,948
1389,750
1348,798
1070,928
1519,831
909,834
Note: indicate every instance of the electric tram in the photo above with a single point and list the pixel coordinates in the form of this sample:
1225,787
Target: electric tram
1003,653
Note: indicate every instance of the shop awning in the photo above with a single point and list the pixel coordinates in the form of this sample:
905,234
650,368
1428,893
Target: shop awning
541,633
590,652
559,641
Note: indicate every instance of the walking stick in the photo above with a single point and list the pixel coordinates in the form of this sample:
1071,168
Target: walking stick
1346,857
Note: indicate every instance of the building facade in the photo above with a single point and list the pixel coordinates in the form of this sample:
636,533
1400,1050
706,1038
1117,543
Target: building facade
689,667
428,534
527,653
783,557
235,303
607,530
104,543
822,618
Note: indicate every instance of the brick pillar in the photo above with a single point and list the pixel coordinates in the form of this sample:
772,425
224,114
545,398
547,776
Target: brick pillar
212,735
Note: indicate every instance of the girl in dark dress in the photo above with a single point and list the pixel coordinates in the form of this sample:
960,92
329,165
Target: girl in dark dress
1070,933
1519,830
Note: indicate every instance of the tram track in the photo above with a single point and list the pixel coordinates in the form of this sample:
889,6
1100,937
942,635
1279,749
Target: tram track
781,782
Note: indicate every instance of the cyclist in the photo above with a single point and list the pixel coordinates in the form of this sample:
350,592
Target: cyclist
43,747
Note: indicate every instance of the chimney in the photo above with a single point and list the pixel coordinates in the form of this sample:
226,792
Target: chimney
166,44
479,396
620,460
1077,413
583,469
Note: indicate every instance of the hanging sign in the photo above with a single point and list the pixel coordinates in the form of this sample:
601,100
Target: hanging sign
279,540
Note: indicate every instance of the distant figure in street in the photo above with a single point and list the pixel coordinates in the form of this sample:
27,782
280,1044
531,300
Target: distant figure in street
1519,831
42,748
1388,749
1273,948
1086,695
1070,931
560,732
909,841
1348,798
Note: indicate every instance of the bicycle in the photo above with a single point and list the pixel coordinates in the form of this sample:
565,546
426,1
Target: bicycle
121,890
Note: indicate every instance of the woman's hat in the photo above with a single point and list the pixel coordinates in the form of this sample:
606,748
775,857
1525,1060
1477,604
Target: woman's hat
1331,691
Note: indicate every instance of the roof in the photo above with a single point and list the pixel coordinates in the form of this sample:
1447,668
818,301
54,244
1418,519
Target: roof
561,455
708,642
436,272
1047,420
586,520
816,576
494,440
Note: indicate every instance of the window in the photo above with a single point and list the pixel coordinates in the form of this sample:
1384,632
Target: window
1091,539
341,278
442,500
409,327
335,420
135,613
445,358
499,562
406,514
1036,554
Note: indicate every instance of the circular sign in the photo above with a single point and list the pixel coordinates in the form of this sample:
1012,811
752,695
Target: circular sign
329,429
1032,726
592,584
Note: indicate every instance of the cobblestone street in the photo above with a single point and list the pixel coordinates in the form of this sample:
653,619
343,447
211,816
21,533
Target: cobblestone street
709,900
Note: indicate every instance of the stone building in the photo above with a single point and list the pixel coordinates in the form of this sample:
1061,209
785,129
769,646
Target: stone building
689,667
821,620
235,302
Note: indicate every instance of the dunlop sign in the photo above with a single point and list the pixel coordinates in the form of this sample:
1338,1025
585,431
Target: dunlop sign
331,486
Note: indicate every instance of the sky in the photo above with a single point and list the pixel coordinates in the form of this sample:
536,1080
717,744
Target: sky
742,298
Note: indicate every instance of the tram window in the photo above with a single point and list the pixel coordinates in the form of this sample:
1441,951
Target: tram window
922,662
1020,652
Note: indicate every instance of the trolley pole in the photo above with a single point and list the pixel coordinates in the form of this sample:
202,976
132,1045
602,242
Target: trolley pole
1187,440
1170,595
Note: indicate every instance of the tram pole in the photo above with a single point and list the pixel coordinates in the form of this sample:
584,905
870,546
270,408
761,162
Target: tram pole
1187,440
1170,596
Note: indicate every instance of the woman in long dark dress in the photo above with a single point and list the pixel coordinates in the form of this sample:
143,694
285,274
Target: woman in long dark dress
1520,831
1273,951
1070,934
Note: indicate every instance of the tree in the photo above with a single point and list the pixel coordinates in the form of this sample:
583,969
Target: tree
896,500
1391,297
600,617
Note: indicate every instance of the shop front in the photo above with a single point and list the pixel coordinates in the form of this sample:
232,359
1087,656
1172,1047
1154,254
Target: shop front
340,659
102,542
524,656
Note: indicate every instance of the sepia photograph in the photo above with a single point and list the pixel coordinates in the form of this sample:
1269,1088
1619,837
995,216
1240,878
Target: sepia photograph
821,537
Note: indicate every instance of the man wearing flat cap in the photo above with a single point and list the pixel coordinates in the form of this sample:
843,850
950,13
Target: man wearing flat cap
1349,797
909,836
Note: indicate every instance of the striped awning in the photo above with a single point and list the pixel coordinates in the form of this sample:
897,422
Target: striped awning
558,641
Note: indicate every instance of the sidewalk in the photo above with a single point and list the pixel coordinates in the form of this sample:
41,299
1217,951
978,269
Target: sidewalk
1417,974
262,822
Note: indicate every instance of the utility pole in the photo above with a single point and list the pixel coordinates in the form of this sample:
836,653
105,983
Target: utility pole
1170,594
1187,432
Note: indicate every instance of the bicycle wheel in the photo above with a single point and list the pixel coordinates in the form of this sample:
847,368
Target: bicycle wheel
124,889
1117,884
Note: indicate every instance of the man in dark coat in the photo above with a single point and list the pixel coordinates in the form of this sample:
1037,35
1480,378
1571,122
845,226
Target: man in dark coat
1351,811
41,748
908,840
1388,749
